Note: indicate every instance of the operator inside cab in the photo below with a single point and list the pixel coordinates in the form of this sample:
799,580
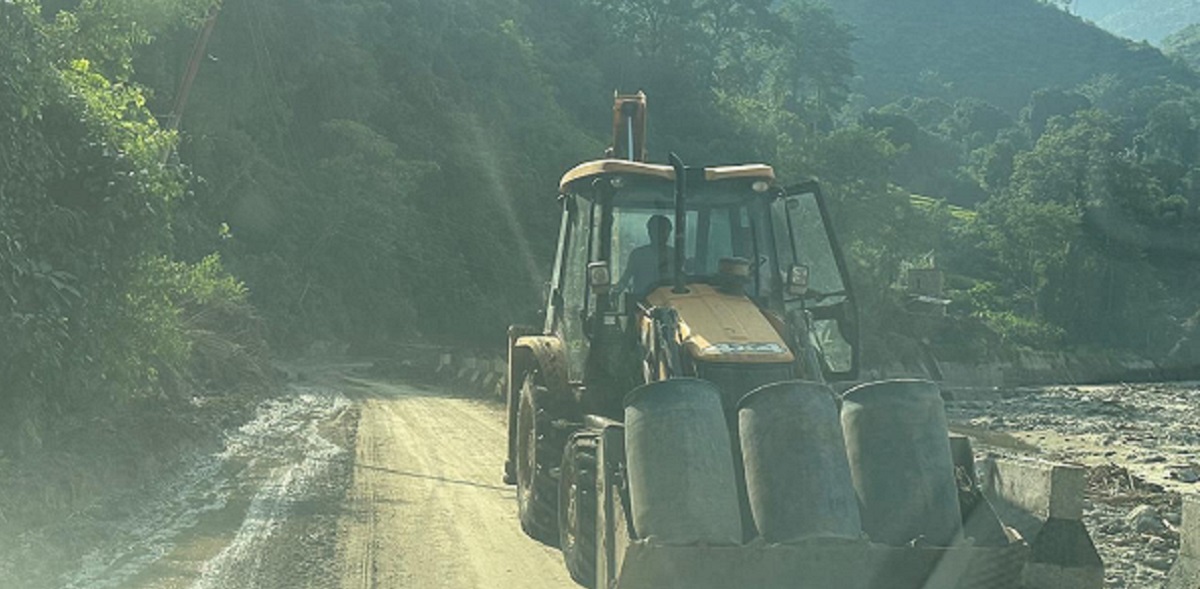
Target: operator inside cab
652,263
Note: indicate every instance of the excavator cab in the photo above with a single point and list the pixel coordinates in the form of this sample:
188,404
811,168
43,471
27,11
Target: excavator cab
740,245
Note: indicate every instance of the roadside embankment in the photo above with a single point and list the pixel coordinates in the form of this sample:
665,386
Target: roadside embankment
482,371
1024,367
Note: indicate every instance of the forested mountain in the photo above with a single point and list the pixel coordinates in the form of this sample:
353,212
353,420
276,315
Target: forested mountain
388,169
1149,20
1184,44
379,171
371,158
999,52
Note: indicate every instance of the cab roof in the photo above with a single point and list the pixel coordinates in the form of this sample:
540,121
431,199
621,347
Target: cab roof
595,168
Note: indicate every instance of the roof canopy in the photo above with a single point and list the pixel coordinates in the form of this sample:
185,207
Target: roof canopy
592,169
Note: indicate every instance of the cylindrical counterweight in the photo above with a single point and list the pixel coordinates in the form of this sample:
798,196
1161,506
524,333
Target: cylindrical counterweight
680,464
797,474
898,444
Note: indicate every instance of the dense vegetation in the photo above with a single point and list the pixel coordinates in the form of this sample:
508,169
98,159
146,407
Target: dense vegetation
383,170
95,310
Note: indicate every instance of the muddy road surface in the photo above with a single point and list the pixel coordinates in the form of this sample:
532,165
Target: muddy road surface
427,508
344,482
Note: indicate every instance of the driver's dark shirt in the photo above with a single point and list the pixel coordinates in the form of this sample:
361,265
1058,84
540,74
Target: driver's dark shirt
648,265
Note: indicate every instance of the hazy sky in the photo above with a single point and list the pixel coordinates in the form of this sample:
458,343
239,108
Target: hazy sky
1150,20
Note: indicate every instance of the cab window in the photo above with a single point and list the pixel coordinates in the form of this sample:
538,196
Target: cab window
801,238
574,284
712,233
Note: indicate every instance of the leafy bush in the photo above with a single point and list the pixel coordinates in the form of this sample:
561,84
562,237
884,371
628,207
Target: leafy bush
1020,330
92,311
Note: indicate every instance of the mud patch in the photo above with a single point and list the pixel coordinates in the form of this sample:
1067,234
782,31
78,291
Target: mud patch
299,488
274,487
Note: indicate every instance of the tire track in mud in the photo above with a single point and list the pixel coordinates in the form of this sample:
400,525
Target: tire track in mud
359,538
429,464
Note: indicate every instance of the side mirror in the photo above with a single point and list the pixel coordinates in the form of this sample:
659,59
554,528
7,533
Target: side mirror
797,280
599,277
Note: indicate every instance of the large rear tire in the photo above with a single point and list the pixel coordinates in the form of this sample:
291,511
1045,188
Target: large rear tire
537,455
577,507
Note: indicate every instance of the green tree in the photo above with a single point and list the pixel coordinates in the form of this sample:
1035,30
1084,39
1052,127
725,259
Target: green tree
93,312
1048,103
1073,219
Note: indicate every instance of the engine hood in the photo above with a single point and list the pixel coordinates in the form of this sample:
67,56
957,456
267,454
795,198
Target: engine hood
720,327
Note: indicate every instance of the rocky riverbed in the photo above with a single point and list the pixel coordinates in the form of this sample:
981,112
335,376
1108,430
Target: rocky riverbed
1139,442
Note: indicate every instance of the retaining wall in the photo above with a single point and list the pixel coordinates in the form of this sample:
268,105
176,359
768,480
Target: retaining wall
483,372
465,371
1031,367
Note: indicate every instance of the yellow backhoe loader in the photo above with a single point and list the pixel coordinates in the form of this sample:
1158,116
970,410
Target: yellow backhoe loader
687,416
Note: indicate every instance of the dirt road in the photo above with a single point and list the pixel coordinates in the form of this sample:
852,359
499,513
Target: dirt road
426,506
342,482
346,481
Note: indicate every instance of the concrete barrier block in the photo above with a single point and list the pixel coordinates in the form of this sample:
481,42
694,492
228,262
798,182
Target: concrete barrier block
1185,573
1044,502
1062,556
1189,532
462,373
1043,489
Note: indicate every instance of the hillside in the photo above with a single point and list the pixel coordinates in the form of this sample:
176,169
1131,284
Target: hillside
996,51
374,173
1184,44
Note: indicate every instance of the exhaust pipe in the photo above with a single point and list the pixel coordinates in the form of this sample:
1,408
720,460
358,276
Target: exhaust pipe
680,220
629,108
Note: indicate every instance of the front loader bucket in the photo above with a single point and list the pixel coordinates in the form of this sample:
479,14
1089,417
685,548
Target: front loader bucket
853,565
628,557
672,423
899,451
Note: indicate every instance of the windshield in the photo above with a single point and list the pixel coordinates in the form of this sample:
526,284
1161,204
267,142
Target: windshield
735,228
